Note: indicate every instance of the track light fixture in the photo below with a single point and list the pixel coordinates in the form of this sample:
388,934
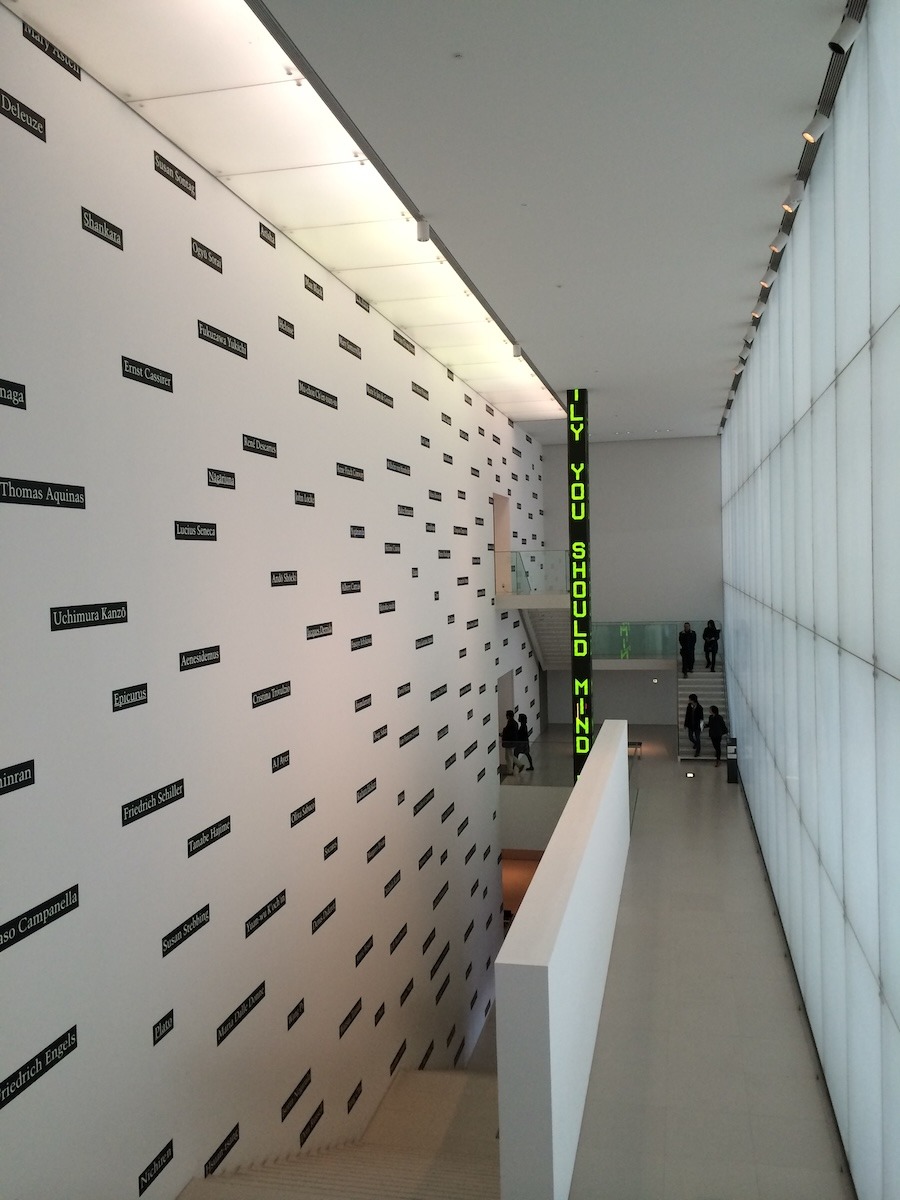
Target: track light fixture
778,242
750,334
816,127
845,36
423,231
794,196
517,350
768,279
759,308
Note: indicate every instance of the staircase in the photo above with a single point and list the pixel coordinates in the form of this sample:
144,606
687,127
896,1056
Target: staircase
710,689
434,1137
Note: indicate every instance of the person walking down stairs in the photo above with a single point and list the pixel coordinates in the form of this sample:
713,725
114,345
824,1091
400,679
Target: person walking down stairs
693,722
687,641
711,644
524,746
717,730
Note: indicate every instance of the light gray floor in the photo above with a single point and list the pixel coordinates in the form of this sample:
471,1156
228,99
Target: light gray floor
704,1083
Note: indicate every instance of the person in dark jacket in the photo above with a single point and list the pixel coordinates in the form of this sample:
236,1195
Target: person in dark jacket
524,746
509,738
693,722
717,730
711,644
687,640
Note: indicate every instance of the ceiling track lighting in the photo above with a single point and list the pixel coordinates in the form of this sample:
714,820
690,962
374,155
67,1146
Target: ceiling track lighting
750,334
778,242
517,350
768,279
845,36
759,308
794,196
423,230
816,128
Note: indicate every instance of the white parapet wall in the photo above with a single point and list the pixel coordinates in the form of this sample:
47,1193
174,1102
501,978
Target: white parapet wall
551,975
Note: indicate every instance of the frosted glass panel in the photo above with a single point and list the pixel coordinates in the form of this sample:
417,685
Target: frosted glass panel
864,1071
857,735
887,778
803,509
854,506
824,516
833,1042
886,491
806,732
820,197
850,129
798,249
883,21
890,1071
828,747
811,977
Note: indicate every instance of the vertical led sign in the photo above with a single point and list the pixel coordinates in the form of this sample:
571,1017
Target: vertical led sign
579,576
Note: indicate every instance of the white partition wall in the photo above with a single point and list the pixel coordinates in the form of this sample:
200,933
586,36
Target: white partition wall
811,492
551,975
248,660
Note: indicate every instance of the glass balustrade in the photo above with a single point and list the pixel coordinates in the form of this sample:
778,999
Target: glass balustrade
525,572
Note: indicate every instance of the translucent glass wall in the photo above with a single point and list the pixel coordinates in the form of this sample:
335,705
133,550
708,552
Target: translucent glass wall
811,494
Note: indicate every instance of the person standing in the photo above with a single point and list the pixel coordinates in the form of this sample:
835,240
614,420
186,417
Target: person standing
693,722
509,739
717,730
711,643
524,746
687,640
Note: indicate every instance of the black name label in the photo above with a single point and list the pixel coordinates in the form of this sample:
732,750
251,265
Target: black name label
387,606
362,702
424,641
37,918
382,397
404,342
280,761
314,393
185,930
12,394
218,337
320,918
206,837
234,1019
266,234
129,697
439,691
364,949
420,391
406,738
35,491
350,1017
258,445
295,1014
362,642
376,849
21,114
205,656
324,629
278,691
399,467
268,910
350,347
151,1171
395,1061
17,776
195,531
301,813
220,479
54,52
24,1077
92,222
391,884
296,1094
144,373
163,1026
357,531
316,288
306,1131
347,472
398,937
174,175
143,806
286,327
79,616
306,499
205,255
420,804
284,578
219,1154
366,790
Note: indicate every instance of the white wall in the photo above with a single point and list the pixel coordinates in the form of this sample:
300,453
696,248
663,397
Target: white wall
656,529
551,976
98,1114
812,508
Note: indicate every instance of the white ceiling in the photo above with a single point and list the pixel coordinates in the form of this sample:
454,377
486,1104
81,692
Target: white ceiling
605,175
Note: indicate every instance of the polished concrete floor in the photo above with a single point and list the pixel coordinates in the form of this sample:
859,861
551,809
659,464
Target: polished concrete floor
705,1084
